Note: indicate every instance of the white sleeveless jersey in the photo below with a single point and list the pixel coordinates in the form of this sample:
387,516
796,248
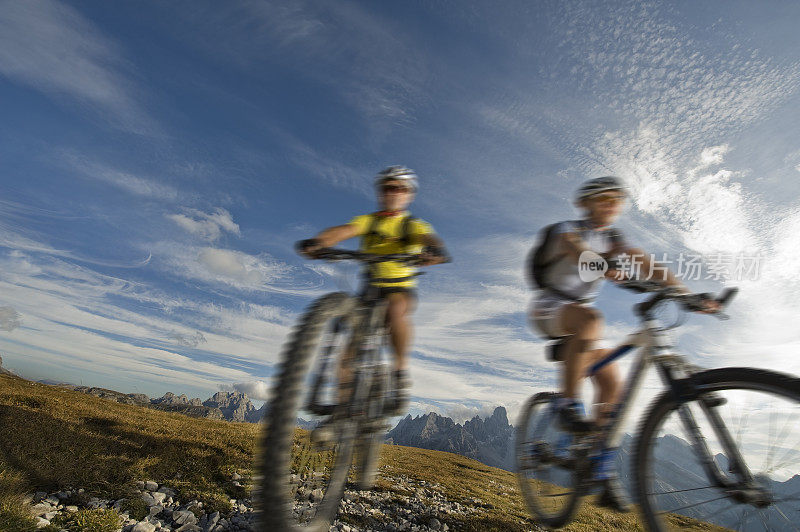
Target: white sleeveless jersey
563,273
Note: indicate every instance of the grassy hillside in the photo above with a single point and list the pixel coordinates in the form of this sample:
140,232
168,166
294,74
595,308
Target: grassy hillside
54,438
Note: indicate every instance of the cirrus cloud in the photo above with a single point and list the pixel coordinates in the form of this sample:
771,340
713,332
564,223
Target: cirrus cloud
9,319
208,226
53,48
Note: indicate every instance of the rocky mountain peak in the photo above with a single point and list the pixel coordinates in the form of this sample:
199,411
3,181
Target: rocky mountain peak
488,441
235,406
4,371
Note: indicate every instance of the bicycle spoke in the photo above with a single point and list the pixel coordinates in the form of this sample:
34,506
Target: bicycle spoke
778,441
742,520
707,513
763,519
692,505
744,415
680,491
786,458
783,515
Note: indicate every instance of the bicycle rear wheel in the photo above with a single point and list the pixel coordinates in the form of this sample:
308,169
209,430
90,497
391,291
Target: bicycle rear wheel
547,470
675,485
297,481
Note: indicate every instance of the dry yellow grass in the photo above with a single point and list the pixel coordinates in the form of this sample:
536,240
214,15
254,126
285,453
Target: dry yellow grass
57,438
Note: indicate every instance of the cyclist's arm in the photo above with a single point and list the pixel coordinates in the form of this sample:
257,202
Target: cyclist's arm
333,235
664,275
328,238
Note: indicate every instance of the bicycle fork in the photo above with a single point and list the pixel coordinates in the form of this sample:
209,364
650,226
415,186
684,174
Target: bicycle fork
744,489
314,403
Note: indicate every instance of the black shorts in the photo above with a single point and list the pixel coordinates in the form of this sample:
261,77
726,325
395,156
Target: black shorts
383,291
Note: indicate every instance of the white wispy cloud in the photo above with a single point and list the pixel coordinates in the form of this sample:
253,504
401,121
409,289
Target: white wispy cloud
51,47
109,328
713,155
145,186
229,268
208,226
238,268
258,390
9,319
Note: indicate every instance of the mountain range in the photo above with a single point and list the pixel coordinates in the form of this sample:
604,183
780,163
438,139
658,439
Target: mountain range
490,440
230,406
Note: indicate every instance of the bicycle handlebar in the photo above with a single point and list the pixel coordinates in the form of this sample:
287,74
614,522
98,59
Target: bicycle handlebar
334,254
691,302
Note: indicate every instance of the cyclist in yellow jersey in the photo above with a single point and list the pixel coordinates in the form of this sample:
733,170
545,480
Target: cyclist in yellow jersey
392,229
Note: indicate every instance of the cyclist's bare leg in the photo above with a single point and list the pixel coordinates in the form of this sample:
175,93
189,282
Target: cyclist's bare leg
585,324
399,308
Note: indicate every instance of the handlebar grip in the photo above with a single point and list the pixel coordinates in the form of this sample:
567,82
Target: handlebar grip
301,245
726,295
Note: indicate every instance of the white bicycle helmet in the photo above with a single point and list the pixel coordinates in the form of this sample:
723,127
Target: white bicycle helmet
599,185
398,173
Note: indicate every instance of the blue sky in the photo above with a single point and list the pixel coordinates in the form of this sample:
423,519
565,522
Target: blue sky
158,160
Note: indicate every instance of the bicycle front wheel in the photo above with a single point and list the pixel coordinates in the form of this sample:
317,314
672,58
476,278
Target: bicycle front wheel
547,469
687,468
298,482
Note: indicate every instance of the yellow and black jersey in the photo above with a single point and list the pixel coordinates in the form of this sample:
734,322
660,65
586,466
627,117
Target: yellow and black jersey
383,234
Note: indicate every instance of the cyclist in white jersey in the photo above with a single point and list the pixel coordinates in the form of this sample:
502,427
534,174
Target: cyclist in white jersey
564,309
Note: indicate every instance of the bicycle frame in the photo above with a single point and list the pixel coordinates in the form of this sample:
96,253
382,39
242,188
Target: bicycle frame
371,315
367,362
676,373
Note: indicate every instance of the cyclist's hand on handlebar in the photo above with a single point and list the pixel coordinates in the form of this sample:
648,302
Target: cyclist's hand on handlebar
308,248
433,255
710,306
702,303
429,258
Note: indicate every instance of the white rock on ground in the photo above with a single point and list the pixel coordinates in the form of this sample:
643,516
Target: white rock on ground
143,526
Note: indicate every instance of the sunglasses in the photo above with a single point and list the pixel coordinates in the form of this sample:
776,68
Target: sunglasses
608,198
394,188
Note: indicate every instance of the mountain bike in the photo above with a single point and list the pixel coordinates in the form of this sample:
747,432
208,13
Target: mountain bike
307,383
740,441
